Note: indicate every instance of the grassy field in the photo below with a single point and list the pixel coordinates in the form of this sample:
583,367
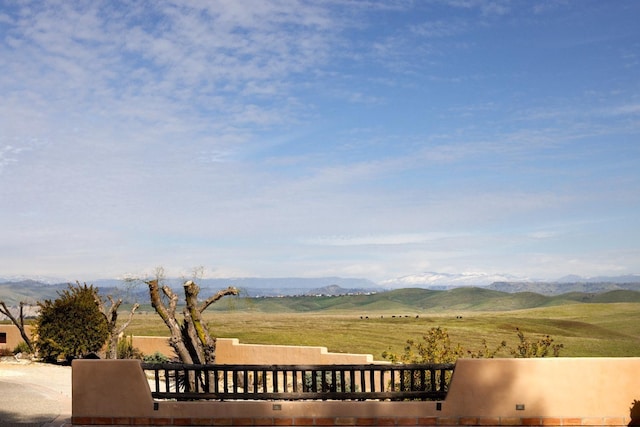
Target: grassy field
593,329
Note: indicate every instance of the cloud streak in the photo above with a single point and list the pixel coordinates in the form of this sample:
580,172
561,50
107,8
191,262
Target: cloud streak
295,137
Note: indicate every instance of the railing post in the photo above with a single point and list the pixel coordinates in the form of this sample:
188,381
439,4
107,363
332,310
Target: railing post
372,379
335,382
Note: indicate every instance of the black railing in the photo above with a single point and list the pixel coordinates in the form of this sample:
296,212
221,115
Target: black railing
299,382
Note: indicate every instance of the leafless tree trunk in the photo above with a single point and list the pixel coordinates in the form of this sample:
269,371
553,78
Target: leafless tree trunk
111,314
190,339
19,323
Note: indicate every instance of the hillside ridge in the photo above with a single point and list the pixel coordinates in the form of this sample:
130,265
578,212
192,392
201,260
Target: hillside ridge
414,300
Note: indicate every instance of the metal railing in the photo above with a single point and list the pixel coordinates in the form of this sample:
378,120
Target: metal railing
299,382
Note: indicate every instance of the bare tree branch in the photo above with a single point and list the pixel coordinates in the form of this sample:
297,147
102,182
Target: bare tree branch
168,316
111,315
19,323
220,294
190,338
173,299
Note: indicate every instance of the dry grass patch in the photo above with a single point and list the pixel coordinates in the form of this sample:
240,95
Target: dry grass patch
585,329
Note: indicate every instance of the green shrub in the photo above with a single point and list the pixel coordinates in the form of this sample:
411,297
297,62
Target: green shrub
72,326
436,347
22,347
539,348
156,357
126,350
325,383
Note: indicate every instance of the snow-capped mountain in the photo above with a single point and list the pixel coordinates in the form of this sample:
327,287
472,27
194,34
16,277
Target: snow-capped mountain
48,280
573,278
435,280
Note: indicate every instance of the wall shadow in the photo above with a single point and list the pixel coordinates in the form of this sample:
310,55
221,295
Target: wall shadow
497,385
634,413
24,420
24,404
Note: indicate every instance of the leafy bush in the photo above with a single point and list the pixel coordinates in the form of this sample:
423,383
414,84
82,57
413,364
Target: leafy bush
325,383
540,348
22,347
126,350
72,326
436,347
156,357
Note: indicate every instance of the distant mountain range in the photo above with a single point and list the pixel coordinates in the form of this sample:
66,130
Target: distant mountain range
14,290
433,280
410,302
555,288
292,285
629,278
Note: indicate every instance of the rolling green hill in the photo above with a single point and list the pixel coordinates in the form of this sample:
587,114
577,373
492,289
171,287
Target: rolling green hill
28,291
415,301
409,301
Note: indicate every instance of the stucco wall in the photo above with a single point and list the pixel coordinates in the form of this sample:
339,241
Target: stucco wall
231,351
150,345
489,392
13,337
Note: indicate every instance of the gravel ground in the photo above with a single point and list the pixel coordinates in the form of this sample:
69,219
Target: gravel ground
34,394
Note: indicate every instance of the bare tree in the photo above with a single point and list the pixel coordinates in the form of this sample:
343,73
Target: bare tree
111,314
19,322
190,338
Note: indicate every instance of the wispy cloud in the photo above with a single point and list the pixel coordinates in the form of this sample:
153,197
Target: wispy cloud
178,61
8,155
394,239
356,137
629,109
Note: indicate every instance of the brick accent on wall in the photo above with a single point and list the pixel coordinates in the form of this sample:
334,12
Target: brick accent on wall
355,421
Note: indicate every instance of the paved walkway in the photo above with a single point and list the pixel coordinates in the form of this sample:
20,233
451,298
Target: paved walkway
34,394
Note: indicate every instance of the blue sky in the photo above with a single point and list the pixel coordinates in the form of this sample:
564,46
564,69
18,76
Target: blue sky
370,139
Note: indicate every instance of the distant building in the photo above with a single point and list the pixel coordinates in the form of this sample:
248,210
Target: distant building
10,337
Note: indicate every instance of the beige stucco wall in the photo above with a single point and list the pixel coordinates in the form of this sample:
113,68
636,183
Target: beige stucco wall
231,351
558,391
110,387
559,387
13,336
150,345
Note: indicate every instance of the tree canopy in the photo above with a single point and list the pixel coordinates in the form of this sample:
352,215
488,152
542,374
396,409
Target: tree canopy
71,326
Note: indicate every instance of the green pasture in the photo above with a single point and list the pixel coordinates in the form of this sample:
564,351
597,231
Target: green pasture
587,329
